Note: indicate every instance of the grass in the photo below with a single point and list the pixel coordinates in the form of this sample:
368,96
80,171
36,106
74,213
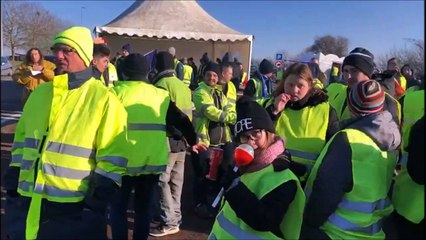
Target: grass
15,64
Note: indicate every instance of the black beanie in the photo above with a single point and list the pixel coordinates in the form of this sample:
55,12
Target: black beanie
214,67
164,61
362,59
250,116
135,67
205,58
266,67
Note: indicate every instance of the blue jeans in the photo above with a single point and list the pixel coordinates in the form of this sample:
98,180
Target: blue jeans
171,183
144,186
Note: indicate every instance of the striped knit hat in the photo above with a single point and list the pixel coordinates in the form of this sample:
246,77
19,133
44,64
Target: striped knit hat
366,97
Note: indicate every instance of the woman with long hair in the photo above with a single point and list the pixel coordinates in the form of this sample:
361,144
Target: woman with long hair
34,71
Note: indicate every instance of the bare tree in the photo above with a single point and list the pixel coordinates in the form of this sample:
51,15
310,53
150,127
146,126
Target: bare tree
330,45
412,54
13,27
28,24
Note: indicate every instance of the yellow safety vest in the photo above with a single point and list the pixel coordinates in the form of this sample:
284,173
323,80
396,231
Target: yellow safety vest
206,112
408,196
362,210
179,93
146,107
187,74
65,135
228,226
231,94
304,132
333,90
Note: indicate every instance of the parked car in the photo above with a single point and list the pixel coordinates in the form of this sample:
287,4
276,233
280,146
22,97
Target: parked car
6,67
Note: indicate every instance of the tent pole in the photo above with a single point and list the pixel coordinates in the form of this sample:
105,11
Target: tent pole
250,56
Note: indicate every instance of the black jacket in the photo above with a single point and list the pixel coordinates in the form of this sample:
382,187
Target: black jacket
334,177
263,214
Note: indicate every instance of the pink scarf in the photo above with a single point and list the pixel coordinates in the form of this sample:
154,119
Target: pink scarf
265,157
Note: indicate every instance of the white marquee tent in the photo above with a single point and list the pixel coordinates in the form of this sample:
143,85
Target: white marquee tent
183,24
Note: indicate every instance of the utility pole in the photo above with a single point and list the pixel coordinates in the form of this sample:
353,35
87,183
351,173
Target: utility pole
81,15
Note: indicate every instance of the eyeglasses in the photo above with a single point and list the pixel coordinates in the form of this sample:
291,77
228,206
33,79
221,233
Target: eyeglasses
62,49
251,135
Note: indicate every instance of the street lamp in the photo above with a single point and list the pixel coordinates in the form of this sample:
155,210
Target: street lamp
81,15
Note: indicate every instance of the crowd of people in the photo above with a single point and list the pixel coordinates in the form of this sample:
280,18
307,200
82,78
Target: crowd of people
330,159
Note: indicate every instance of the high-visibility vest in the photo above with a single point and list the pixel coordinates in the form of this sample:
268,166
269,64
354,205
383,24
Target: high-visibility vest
303,132
77,132
110,74
231,93
360,213
333,90
179,93
318,84
408,196
146,106
207,112
187,74
228,226
175,65
402,81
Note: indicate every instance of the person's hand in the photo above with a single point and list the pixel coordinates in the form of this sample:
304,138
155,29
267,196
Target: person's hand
199,147
229,179
280,101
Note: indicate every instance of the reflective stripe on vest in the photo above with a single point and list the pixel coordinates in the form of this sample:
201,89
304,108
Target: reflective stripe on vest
233,229
147,126
56,192
72,150
346,225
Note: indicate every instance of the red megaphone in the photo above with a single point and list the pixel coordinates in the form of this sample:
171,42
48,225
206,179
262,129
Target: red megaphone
243,155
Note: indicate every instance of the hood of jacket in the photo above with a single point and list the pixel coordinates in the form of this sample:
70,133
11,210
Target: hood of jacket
381,128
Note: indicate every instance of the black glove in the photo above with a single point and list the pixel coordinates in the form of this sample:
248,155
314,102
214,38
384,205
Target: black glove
100,193
282,162
229,179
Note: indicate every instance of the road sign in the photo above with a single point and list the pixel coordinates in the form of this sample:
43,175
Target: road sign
278,56
279,64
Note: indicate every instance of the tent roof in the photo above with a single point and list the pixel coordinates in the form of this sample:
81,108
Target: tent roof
170,19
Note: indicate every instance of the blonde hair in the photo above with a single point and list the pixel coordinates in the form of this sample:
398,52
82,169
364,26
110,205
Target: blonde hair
301,70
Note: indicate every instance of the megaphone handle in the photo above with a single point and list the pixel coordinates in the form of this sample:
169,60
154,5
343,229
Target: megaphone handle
221,192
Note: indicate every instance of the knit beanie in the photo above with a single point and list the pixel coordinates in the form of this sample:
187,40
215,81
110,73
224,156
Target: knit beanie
172,51
362,59
250,116
79,38
214,67
126,47
164,61
135,67
366,97
266,67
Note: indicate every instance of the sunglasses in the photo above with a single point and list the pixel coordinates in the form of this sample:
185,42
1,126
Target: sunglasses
62,49
251,135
